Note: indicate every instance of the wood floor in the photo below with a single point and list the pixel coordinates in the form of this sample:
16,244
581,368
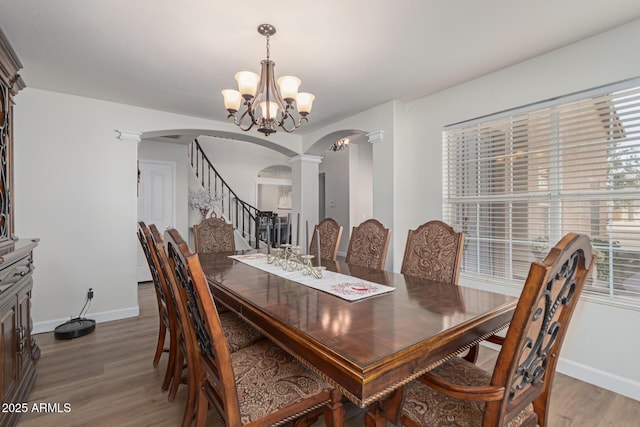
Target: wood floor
107,378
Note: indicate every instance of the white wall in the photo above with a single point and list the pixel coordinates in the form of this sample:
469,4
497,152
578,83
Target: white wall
305,196
268,197
599,348
407,169
388,191
75,189
336,169
360,181
240,162
176,153
349,186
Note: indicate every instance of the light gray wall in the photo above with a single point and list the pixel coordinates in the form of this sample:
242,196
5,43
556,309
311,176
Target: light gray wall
407,177
360,181
175,153
240,162
75,189
335,166
388,119
598,348
268,197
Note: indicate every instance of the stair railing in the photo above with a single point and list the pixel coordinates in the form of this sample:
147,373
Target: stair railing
242,215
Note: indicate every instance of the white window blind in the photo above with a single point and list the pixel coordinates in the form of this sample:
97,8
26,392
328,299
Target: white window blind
517,182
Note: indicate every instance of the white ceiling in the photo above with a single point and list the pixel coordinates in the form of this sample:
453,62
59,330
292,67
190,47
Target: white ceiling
352,54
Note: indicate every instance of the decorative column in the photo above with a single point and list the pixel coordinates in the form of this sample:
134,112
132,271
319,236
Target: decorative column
304,194
127,136
385,191
124,135
375,136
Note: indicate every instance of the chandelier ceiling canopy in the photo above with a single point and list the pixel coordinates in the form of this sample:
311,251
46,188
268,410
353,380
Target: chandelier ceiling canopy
276,102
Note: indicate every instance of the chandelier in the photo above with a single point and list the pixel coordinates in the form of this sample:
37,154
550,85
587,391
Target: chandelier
276,103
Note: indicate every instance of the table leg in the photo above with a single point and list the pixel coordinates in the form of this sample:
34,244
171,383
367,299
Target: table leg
389,409
334,413
374,419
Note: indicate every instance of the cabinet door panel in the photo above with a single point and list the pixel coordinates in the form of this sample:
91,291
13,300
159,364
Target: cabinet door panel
8,356
24,317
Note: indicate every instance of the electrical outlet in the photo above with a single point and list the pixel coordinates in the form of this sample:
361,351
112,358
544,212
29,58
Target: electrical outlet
90,293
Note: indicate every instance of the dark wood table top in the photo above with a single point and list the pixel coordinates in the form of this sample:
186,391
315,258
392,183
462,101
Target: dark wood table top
366,348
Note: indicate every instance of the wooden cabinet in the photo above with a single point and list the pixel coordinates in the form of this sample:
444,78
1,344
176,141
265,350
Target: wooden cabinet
18,350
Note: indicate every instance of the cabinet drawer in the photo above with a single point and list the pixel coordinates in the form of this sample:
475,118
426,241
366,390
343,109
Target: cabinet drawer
13,273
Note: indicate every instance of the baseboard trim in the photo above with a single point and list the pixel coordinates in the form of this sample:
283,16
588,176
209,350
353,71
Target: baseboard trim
105,316
597,377
606,380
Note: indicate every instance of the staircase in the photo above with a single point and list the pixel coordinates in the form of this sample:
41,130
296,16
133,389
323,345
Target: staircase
234,210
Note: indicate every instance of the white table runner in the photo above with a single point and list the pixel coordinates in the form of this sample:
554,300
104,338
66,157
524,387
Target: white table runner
346,287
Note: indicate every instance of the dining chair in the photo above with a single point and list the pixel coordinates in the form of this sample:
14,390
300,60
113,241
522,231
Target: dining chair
258,385
330,233
433,251
368,244
518,391
166,308
238,334
214,235
175,364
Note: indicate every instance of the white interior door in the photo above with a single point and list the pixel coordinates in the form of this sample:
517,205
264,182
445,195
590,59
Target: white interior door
156,202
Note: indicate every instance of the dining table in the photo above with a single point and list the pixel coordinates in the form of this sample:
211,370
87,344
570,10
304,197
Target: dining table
368,348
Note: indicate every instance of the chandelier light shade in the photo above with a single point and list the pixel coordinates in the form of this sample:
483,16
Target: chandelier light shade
276,103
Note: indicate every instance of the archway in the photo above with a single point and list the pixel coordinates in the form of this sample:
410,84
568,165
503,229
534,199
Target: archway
186,136
346,180
274,189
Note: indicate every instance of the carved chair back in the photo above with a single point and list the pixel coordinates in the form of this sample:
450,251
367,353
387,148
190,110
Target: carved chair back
177,350
214,235
527,361
156,243
330,233
144,236
208,343
187,341
368,244
166,308
433,251
265,374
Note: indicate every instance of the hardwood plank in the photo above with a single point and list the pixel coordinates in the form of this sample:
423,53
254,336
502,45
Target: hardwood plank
109,380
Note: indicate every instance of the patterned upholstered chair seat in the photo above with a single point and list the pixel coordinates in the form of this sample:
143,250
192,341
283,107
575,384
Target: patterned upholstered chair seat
282,381
239,334
428,407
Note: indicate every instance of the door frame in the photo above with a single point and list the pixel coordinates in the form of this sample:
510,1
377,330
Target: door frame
172,166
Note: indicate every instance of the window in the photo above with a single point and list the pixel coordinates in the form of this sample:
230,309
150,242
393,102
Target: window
517,181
